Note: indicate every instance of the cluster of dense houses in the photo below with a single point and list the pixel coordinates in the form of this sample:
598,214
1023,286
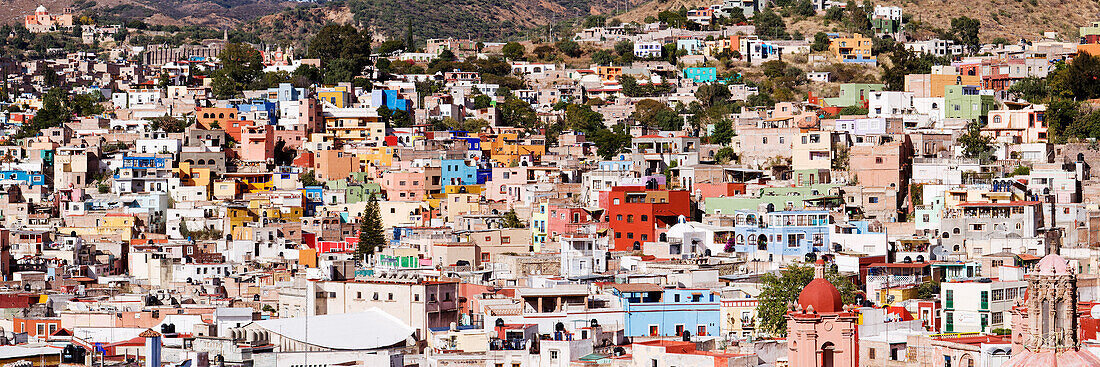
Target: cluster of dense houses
235,240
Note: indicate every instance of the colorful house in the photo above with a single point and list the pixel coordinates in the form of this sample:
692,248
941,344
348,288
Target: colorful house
652,311
701,74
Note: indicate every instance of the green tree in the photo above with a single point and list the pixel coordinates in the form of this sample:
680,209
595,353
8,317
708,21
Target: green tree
582,118
511,220
168,124
517,113
723,132
309,179
602,57
384,114
804,8
904,62
770,25
222,87
391,46
965,30
928,290
821,42
725,155
54,112
610,142
343,49
569,47
163,80
1031,89
624,47
782,290
712,94
482,101
974,144
410,42
656,114
371,236
241,63
513,51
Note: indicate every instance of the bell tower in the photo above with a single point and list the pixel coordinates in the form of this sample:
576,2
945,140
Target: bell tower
821,330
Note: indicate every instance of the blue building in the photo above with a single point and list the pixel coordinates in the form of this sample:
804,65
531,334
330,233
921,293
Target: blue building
314,197
650,310
692,46
285,92
783,233
271,109
702,74
23,178
458,172
144,162
390,99
620,163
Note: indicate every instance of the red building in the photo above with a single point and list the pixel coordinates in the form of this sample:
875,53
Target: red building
36,328
636,213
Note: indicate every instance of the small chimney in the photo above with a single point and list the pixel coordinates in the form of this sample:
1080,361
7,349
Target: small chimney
152,347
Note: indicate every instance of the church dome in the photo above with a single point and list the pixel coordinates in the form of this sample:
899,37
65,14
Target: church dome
822,295
1053,265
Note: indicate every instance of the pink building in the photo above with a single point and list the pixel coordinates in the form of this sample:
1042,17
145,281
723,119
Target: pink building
1026,125
258,143
569,218
404,185
507,184
822,331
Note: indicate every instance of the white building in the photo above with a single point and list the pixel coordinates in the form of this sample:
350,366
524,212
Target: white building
647,49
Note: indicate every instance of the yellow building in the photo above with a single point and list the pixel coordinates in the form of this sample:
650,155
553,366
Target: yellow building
380,156
508,150
121,225
934,85
856,47
339,96
225,189
609,73
355,125
738,315
237,216
193,176
252,182
463,189
892,296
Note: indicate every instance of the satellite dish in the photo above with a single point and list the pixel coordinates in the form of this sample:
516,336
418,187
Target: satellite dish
1095,312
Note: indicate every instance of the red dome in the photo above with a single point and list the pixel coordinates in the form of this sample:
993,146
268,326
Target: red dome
822,295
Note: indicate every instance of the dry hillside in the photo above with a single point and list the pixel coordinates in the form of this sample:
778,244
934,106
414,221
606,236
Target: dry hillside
475,19
214,13
1011,19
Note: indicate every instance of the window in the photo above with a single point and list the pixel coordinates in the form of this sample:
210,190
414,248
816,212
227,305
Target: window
645,218
872,199
870,353
998,294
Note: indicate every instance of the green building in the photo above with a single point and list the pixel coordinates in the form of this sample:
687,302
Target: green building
780,198
967,102
853,94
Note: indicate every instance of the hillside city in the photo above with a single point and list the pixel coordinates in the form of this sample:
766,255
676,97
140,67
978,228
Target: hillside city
714,186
